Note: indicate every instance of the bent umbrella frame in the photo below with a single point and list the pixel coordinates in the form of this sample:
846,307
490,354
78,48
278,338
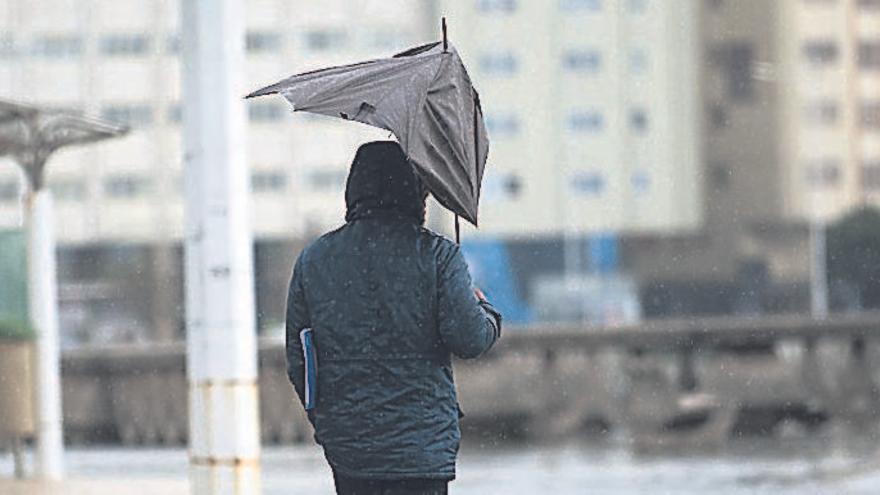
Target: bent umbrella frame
425,97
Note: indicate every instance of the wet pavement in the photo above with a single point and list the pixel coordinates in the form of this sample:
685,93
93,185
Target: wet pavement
95,487
813,466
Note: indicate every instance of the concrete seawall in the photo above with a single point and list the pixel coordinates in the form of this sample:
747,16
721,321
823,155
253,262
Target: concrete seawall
664,382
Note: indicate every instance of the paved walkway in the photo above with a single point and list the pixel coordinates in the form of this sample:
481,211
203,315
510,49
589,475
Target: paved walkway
87,487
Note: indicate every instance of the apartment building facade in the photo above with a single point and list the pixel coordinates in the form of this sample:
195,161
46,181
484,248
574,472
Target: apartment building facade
119,205
789,93
120,60
591,110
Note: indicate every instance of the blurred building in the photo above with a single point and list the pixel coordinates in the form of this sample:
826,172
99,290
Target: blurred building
828,81
120,205
791,136
778,112
592,113
685,144
120,60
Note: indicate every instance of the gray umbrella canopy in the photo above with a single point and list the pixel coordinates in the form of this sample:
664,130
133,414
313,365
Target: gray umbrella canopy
425,97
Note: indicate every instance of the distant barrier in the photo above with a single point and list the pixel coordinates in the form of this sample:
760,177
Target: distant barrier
681,381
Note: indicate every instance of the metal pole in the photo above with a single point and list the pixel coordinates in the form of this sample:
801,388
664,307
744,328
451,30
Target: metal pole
818,270
221,340
43,305
18,457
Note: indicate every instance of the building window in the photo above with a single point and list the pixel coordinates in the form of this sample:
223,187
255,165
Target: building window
323,180
820,52
61,46
7,46
262,42
512,186
172,44
175,114
718,116
325,39
823,173
638,61
386,39
68,190
582,60
869,115
735,62
124,44
588,183
134,115
637,6
871,175
640,181
499,63
638,120
126,186
586,121
869,55
264,111
502,125
268,181
503,6
580,5
9,191
719,176
821,112
501,187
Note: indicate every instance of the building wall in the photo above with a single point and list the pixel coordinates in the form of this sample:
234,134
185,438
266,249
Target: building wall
790,134
829,77
592,113
120,60
590,104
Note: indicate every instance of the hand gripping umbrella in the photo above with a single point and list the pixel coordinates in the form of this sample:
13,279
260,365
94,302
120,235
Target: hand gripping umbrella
425,97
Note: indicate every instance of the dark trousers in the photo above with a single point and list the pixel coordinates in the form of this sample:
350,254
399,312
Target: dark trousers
354,486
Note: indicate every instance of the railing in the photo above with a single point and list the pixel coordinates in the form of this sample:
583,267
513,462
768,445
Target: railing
548,380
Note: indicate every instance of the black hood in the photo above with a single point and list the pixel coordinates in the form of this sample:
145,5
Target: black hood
382,183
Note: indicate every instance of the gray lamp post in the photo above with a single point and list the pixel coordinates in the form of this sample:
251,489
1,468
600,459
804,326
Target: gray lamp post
29,135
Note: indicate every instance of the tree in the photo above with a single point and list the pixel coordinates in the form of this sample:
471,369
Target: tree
854,257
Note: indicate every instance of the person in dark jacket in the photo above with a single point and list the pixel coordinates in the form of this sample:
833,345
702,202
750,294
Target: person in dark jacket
389,302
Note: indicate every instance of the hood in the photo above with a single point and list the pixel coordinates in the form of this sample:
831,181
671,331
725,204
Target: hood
382,183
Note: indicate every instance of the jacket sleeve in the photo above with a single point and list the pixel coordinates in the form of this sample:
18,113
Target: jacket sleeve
467,326
297,319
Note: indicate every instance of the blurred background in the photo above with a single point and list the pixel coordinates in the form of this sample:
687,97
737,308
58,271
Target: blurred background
703,170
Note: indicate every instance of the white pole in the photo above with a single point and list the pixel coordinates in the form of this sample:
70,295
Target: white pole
43,305
221,341
818,270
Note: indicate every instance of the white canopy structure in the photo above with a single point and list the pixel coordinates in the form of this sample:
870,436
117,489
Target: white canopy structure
29,135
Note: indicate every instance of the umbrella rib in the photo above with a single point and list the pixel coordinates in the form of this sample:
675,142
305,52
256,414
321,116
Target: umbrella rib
424,99
273,88
476,102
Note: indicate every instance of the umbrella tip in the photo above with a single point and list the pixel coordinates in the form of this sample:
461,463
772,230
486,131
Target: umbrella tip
268,90
443,28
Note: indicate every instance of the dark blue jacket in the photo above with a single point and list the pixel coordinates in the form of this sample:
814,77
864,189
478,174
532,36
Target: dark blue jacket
389,303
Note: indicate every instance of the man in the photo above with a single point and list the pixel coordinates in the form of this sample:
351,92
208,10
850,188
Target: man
388,302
